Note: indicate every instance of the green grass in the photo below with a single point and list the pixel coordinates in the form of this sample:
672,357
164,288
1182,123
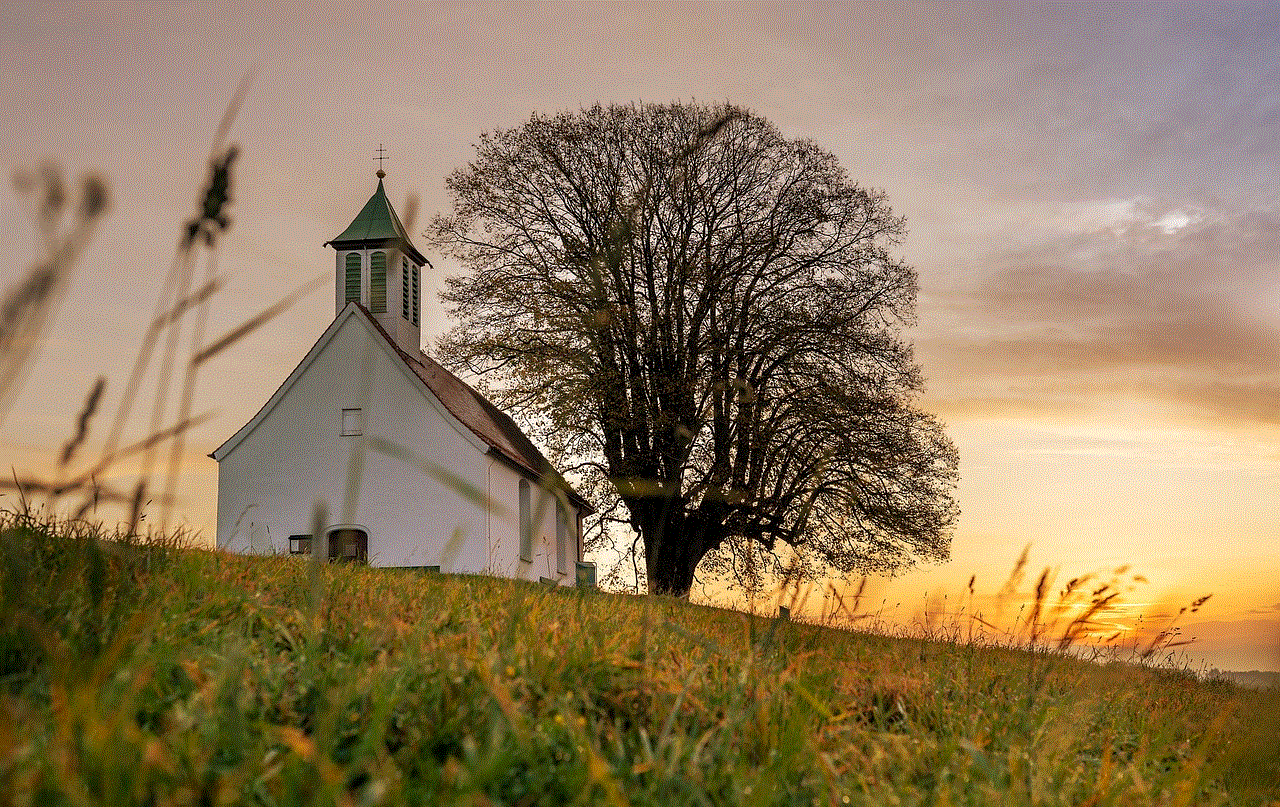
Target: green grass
150,673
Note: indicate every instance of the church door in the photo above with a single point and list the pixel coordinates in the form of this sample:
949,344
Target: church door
348,545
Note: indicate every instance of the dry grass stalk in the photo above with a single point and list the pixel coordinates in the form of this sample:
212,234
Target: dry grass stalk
26,309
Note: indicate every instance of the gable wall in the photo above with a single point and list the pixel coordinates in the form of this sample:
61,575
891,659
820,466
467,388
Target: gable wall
269,482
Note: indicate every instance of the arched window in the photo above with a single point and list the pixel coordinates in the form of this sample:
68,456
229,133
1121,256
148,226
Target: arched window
348,545
562,538
353,278
526,522
378,282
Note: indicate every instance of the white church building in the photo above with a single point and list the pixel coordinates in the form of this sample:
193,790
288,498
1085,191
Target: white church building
372,452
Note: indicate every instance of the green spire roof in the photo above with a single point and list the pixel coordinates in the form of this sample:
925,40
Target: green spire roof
377,225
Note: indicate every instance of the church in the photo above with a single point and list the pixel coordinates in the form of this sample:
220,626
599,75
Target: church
372,452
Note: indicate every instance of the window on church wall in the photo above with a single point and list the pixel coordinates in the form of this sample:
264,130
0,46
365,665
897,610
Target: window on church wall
562,539
352,289
352,422
404,288
526,522
414,298
299,544
348,545
378,282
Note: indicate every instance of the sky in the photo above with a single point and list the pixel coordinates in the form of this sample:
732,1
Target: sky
1090,192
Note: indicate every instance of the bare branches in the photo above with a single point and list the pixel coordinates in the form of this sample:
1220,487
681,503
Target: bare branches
706,314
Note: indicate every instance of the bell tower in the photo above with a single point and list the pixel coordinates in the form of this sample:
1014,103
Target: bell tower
379,268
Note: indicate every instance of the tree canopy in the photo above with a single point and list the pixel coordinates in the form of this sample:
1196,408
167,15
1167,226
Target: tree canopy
706,317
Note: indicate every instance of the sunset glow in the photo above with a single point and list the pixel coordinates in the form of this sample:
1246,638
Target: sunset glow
1091,202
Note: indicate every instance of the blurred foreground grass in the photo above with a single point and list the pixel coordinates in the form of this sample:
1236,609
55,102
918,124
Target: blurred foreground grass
152,673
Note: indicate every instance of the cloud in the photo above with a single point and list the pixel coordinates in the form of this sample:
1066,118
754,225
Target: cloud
1118,300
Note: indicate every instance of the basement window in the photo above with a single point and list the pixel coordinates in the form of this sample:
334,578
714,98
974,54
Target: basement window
352,422
299,544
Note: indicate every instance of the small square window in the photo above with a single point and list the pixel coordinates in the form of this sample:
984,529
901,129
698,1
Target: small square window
352,422
299,544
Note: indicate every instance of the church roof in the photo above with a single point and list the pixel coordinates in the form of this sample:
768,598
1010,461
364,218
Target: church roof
377,224
486,421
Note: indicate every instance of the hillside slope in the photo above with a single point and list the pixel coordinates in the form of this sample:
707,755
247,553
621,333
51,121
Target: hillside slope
161,675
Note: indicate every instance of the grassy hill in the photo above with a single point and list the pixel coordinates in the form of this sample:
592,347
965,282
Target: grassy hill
156,674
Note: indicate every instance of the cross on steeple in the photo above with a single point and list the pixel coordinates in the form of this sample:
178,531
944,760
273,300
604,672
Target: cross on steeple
382,155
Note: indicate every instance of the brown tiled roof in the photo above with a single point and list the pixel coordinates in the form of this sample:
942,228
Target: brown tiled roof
477,413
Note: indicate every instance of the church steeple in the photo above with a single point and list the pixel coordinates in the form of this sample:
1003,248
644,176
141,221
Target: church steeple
379,267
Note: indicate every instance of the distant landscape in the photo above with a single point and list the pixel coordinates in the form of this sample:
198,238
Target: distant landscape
1255,679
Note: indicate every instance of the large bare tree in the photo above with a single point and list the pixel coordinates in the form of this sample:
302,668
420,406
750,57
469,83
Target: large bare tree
707,315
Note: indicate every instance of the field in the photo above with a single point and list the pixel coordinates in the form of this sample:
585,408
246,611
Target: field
153,673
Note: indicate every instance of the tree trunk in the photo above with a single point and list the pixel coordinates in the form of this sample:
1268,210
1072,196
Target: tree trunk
672,551
670,563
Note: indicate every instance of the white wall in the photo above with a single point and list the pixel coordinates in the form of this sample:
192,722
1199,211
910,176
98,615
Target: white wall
296,456
505,561
269,482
